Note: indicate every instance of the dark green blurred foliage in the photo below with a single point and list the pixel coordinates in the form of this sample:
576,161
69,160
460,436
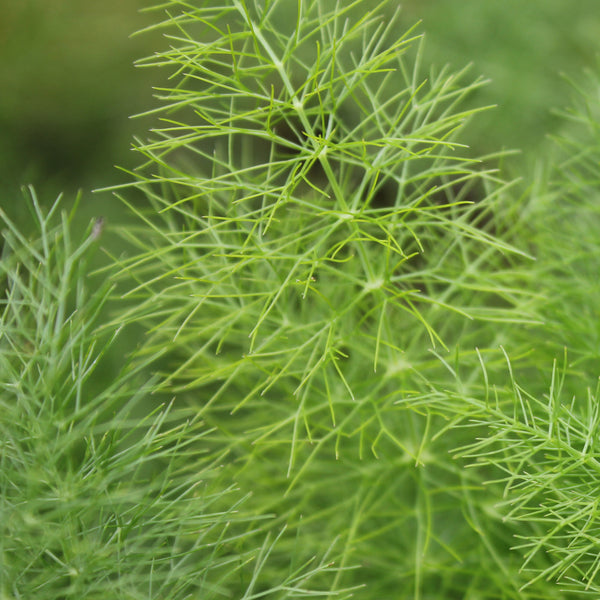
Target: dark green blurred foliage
68,87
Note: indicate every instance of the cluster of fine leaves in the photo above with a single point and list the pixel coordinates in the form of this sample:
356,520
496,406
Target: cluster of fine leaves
313,240
360,370
102,491
539,424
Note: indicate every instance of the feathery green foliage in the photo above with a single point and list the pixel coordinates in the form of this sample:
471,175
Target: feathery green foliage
338,306
99,491
542,439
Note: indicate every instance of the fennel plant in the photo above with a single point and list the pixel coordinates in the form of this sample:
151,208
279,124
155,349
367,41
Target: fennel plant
338,306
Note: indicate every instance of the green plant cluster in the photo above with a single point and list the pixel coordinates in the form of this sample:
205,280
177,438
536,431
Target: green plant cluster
363,363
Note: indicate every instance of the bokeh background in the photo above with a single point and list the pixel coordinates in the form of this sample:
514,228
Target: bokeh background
69,85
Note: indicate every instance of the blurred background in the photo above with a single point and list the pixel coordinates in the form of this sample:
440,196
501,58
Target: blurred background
69,85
